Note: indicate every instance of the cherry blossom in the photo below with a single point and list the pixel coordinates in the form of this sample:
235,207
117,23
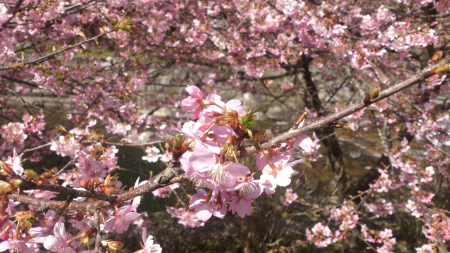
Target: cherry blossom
289,197
152,155
321,235
186,218
59,241
124,73
15,163
121,220
194,101
205,208
148,246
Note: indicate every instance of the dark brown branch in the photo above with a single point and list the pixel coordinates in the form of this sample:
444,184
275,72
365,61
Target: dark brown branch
329,139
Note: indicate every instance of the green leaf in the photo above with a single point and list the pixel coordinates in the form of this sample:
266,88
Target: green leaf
247,120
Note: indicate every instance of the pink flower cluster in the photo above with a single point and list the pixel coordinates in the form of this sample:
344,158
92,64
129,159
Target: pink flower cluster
213,139
289,197
185,218
380,207
438,225
384,237
91,165
347,214
321,235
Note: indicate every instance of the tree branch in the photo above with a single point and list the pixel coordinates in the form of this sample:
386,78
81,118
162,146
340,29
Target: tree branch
174,174
46,57
326,121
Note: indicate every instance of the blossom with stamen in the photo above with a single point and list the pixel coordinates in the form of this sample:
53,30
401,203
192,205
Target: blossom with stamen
277,174
218,174
246,186
204,164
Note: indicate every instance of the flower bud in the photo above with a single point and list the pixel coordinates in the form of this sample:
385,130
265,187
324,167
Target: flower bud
112,245
5,167
233,114
300,119
437,56
60,129
108,190
222,123
31,174
375,92
64,206
110,180
336,125
3,206
6,188
442,69
79,216
88,232
26,218
248,119
16,182
178,140
213,114
259,136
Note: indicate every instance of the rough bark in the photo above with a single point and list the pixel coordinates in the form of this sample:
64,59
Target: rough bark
329,140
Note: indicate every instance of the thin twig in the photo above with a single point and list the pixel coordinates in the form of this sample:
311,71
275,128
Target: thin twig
97,236
46,57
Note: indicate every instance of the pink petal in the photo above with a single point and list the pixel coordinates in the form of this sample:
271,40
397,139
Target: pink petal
304,142
221,213
204,212
235,104
222,132
109,224
51,243
149,241
5,245
17,167
202,159
237,170
267,183
186,165
190,129
196,200
241,206
216,99
284,176
60,231
194,91
190,103
131,216
144,235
